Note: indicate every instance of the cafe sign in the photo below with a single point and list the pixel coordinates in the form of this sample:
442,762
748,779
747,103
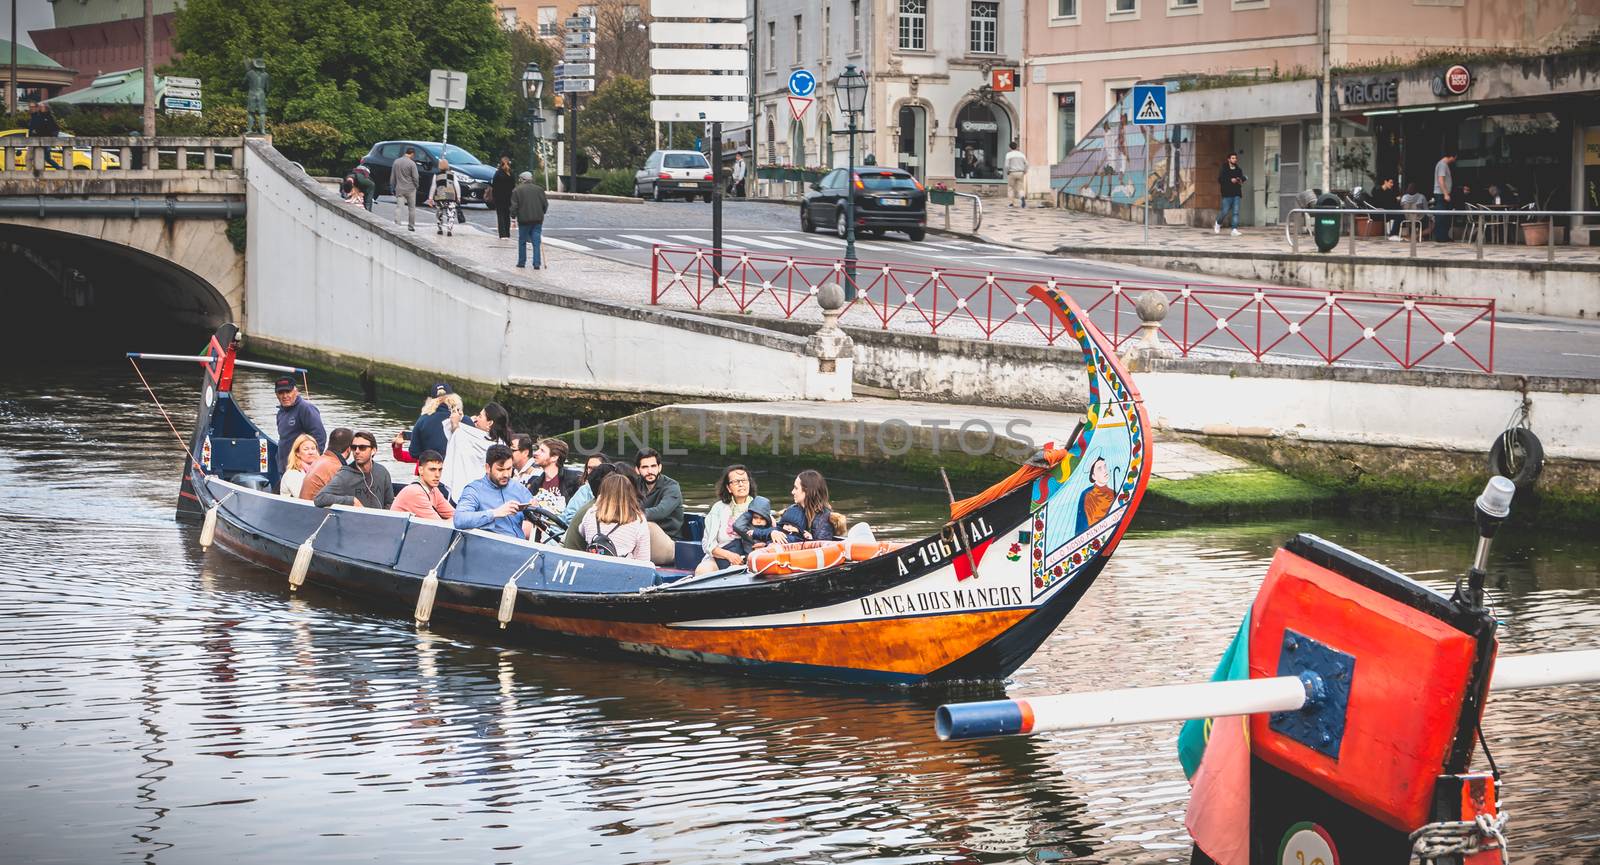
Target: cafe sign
1370,91
1455,81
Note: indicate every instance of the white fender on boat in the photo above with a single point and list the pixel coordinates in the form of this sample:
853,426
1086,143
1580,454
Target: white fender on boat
302,564
430,587
208,527
508,602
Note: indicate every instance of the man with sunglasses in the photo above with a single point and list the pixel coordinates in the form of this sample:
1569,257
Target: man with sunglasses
362,483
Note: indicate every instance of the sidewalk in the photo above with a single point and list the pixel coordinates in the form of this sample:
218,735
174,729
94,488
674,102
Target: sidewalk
1070,232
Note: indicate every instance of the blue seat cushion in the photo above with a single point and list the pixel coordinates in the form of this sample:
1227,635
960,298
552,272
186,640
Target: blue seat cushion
687,555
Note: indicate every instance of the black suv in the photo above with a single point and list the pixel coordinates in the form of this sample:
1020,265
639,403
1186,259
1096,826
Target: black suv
472,174
887,199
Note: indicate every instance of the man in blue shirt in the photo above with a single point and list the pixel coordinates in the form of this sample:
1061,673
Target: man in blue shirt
493,502
296,415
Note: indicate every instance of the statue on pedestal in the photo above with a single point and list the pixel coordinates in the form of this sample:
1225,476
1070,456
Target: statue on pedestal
256,81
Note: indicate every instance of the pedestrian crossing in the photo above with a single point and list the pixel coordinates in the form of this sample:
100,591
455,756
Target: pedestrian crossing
813,245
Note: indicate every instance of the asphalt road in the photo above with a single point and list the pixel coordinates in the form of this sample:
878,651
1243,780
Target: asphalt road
625,232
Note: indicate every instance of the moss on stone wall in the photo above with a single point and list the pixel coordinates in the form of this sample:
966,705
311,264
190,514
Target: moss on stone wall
1252,491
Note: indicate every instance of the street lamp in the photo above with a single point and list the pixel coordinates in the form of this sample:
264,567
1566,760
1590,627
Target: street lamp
851,90
533,89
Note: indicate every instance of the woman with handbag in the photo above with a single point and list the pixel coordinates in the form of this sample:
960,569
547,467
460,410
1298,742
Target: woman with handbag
499,194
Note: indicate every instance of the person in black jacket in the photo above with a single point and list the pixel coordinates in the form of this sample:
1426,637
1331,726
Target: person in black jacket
363,482
42,124
1230,179
429,433
500,190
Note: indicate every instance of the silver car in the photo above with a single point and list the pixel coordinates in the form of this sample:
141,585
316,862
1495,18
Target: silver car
674,173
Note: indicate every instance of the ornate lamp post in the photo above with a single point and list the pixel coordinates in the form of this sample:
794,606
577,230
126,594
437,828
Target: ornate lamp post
851,90
533,89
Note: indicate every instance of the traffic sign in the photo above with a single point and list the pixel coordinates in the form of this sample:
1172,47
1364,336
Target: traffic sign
697,9
699,59
698,33
447,89
181,104
802,83
574,85
1149,104
699,85
182,92
580,22
574,70
578,54
578,37
175,81
799,105
699,111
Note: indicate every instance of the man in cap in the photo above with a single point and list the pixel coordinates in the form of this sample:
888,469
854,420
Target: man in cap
429,432
528,205
296,415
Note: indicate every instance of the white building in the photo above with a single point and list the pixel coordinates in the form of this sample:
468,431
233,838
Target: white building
930,67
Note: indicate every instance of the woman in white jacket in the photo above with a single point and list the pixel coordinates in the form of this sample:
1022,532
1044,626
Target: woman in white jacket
469,442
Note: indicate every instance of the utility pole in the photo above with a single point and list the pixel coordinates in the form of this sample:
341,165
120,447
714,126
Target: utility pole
11,92
572,137
1327,96
149,69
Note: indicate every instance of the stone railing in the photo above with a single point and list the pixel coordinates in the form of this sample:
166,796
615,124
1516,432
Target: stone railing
144,158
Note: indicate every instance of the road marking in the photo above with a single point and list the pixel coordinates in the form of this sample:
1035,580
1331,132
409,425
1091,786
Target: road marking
761,244
566,244
697,241
649,241
1578,354
808,244
615,244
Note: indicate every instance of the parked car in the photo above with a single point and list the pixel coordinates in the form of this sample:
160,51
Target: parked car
887,199
669,173
82,157
473,175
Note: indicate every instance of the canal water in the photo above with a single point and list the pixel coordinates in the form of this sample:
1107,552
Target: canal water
166,705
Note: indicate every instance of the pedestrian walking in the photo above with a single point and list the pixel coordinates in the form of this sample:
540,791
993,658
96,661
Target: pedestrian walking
529,204
404,178
1442,203
736,179
500,190
443,196
1231,180
1016,175
42,124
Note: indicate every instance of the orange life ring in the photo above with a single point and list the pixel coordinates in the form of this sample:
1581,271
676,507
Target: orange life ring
784,559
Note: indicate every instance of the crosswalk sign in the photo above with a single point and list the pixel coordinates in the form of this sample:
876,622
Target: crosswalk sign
1149,104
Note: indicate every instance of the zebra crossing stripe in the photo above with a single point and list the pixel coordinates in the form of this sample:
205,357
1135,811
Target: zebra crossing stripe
751,241
565,244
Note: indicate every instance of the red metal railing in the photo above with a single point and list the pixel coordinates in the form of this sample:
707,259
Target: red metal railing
1329,326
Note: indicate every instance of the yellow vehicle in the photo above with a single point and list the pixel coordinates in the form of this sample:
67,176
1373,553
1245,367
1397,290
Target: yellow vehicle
81,156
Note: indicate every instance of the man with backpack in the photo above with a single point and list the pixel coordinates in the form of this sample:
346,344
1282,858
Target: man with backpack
493,502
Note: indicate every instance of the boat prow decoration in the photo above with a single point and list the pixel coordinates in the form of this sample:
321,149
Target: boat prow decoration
971,602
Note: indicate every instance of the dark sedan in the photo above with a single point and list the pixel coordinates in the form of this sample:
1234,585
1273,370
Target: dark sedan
886,199
473,175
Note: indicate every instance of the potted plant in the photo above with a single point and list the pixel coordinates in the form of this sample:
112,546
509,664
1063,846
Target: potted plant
1536,232
769,172
794,173
939,193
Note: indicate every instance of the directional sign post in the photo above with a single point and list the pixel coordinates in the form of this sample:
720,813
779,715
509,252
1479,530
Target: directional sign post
1149,109
704,55
447,89
180,95
575,75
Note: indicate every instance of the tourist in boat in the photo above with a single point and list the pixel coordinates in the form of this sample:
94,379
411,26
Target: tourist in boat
574,539
493,501
736,493
430,432
422,497
302,456
363,482
663,505
522,467
328,464
296,415
584,494
469,444
616,524
810,518
549,484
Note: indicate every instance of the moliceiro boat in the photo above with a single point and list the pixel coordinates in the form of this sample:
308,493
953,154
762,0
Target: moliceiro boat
972,602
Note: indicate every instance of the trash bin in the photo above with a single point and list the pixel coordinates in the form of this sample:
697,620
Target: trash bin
1325,226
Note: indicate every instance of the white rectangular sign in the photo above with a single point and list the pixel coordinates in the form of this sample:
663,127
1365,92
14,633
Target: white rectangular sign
684,33
181,104
574,70
699,59
699,85
733,9
175,81
585,37
697,110
580,54
574,85
182,92
580,22
447,89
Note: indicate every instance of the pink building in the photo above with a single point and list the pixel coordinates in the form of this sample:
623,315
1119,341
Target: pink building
1243,75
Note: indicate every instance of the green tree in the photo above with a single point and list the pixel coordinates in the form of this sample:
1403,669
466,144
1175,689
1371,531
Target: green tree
614,125
359,67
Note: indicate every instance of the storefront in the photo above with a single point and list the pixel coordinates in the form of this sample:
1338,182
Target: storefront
982,136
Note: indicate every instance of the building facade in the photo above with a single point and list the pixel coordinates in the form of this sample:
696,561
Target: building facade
95,37
932,107
1244,76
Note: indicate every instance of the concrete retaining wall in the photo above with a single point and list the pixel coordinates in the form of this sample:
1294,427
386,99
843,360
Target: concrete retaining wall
1566,289
339,281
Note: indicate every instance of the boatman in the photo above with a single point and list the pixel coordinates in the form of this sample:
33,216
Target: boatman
493,502
296,415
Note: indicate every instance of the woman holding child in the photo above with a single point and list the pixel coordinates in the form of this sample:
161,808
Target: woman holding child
737,512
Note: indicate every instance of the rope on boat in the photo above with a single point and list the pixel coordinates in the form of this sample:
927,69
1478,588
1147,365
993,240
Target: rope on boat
508,593
208,527
1460,838
430,586
302,556
170,425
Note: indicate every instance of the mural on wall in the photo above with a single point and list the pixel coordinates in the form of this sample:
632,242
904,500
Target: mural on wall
1108,163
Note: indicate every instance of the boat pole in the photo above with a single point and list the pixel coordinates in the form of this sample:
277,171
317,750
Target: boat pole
206,358
960,541
955,722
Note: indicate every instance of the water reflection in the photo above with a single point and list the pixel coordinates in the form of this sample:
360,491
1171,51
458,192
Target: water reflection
179,706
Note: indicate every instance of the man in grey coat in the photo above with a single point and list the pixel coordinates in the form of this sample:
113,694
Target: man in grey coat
528,205
404,177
